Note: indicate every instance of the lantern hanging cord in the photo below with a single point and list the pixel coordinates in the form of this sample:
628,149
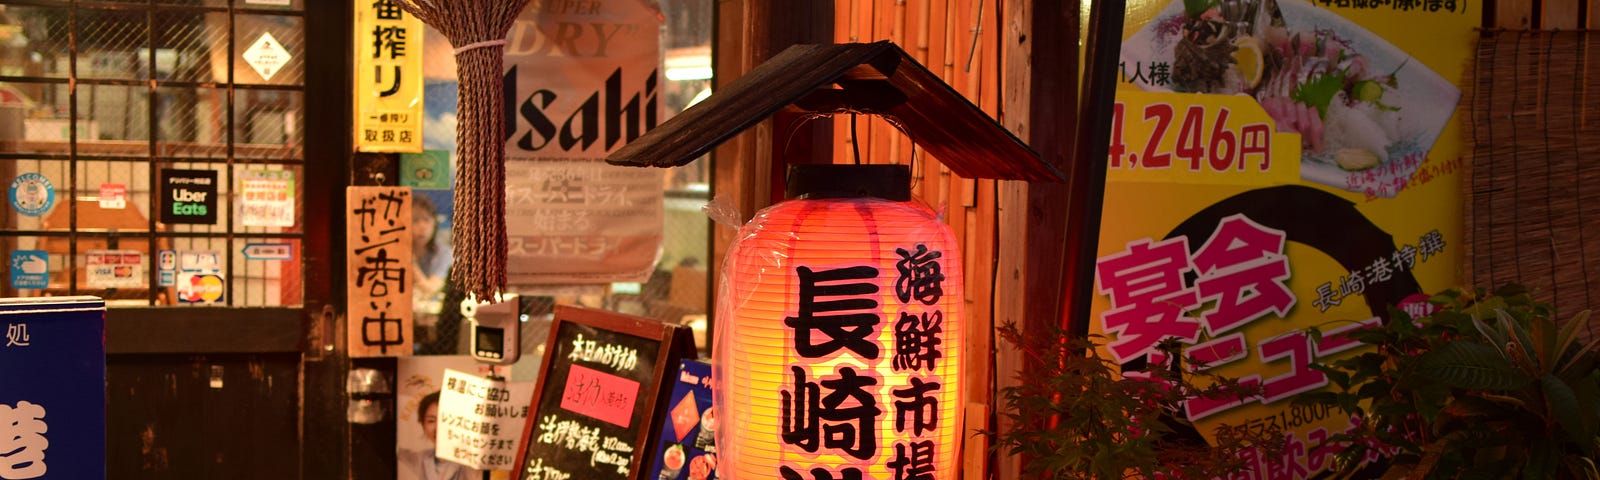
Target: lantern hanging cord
855,142
490,43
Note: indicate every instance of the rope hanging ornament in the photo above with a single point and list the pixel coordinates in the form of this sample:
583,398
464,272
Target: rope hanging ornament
477,28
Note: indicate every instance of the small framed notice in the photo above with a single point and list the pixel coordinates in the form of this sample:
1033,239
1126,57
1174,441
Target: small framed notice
601,396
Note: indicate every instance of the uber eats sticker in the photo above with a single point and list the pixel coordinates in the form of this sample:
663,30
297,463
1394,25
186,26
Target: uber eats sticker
189,196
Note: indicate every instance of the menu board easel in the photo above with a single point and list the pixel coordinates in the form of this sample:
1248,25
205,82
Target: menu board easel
598,402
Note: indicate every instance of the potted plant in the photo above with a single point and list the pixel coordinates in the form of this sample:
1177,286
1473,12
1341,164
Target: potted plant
1078,415
1488,386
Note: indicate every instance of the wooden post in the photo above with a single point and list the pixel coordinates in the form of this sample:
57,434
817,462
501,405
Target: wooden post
1038,103
748,171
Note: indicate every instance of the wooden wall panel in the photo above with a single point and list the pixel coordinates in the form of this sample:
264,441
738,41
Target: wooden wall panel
1514,14
1561,14
941,34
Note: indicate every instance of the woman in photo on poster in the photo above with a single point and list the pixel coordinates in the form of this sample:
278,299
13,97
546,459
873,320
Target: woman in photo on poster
422,464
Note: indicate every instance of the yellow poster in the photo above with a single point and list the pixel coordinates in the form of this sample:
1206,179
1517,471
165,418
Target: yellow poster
388,78
1278,166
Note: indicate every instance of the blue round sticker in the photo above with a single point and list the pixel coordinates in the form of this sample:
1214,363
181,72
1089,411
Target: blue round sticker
32,194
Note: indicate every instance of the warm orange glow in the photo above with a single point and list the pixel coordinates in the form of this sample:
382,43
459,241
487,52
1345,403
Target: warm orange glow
756,348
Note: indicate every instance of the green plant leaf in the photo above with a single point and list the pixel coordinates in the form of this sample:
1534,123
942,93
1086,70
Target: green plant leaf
1584,362
1543,459
1338,376
1522,340
1431,401
1491,334
1544,335
1569,336
1508,400
1511,290
1471,365
1445,298
1566,409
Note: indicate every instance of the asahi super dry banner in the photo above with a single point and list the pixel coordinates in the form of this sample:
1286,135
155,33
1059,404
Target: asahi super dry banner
1279,166
581,80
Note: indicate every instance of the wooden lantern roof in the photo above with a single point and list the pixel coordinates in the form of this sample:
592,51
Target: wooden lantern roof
871,78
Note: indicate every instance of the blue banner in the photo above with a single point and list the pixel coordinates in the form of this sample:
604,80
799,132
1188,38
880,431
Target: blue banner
687,449
53,388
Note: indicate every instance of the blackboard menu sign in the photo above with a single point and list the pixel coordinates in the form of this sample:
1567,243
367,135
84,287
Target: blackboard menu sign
599,398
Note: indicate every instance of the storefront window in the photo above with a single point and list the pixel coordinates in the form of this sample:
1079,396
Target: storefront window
168,175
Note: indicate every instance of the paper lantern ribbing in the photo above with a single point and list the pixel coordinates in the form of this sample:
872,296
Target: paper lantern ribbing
839,339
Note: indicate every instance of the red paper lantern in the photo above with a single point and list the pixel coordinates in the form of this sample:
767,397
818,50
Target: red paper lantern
839,334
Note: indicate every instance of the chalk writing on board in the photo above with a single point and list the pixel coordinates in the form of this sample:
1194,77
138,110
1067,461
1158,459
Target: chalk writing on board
574,436
614,356
537,471
600,395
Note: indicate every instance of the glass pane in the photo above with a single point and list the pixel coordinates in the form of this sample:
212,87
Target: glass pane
116,268
41,125
193,122
113,120
35,267
267,124
185,203
113,196
280,54
44,263
266,273
43,191
33,42
200,276
113,44
187,43
268,198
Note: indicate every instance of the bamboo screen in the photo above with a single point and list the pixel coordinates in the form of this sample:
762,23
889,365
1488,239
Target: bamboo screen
1533,211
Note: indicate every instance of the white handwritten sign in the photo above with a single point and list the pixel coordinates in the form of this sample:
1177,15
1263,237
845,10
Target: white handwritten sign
480,420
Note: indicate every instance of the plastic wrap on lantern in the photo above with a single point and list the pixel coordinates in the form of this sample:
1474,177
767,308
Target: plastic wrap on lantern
838,340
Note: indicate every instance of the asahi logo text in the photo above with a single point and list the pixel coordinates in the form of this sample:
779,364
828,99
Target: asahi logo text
582,118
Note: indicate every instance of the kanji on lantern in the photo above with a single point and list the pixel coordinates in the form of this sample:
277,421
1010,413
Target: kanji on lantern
915,402
843,419
826,297
920,277
916,340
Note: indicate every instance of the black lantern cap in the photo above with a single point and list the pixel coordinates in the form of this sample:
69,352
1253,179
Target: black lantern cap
889,182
